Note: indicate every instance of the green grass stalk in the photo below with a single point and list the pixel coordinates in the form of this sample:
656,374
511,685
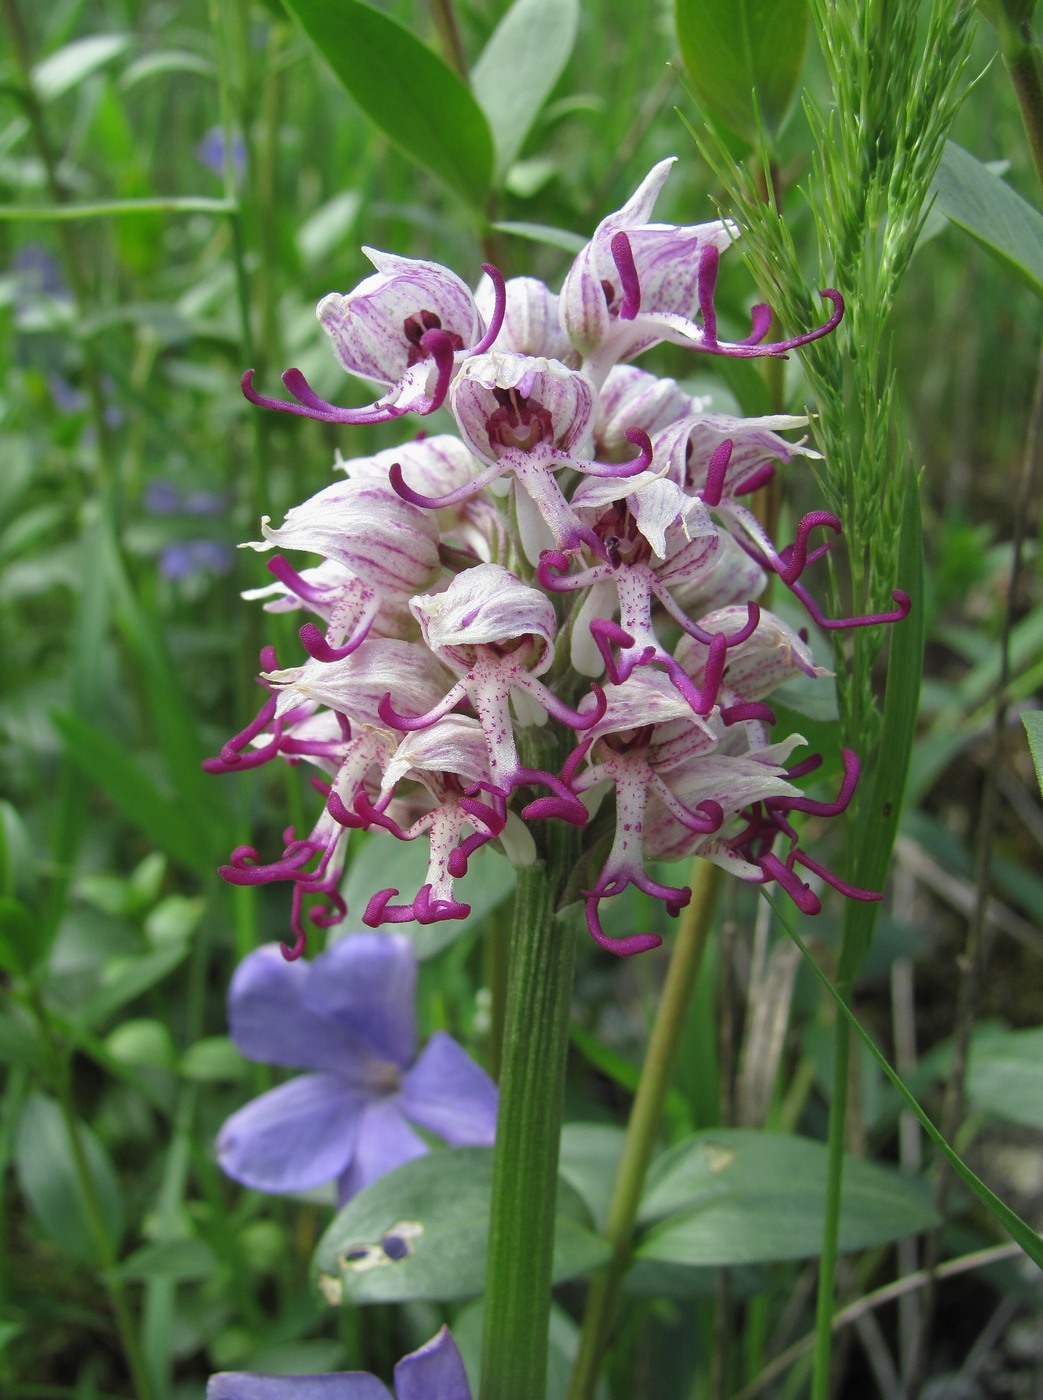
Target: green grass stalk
643,1128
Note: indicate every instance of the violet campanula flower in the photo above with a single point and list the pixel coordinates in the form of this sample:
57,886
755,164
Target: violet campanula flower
348,1019
434,1371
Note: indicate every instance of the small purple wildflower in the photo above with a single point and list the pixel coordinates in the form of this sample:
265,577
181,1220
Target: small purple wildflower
434,1372
579,555
211,153
348,1018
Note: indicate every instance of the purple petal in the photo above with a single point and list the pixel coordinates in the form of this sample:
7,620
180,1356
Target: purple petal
448,1094
270,1020
434,1372
297,1136
385,1140
366,986
341,1385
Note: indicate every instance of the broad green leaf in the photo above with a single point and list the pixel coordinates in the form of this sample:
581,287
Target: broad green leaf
19,1041
1019,1231
61,71
49,1179
177,1259
737,1196
112,767
214,1060
744,58
144,1043
1033,722
1005,1077
986,207
126,979
433,1212
518,68
385,863
588,1161
20,944
405,89
878,824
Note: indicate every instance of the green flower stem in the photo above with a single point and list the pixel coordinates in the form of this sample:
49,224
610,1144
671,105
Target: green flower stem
643,1128
528,1127
1022,56
831,1225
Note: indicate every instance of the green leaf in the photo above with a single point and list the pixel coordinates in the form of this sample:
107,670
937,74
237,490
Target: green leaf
1019,1231
20,944
49,1179
436,1208
64,70
1033,722
127,978
214,1060
174,1259
144,1043
19,1041
588,1161
518,68
1005,1077
111,767
737,1196
997,218
878,818
562,238
402,865
744,58
405,89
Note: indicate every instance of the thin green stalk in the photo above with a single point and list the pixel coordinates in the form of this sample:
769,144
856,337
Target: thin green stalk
643,1128
111,209
831,1224
528,1128
1022,57
449,36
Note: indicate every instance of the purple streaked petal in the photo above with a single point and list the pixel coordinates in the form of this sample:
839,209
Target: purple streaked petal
434,1372
295,1137
365,985
530,323
309,405
447,1093
338,1385
269,1019
384,1141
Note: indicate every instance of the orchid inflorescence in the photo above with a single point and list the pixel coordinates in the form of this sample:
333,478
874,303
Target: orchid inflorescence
577,554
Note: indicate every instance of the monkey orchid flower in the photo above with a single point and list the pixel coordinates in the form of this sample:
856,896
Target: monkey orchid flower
637,283
497,634
407,327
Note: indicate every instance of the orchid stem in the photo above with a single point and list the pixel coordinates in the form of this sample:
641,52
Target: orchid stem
643,1128
528,1127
